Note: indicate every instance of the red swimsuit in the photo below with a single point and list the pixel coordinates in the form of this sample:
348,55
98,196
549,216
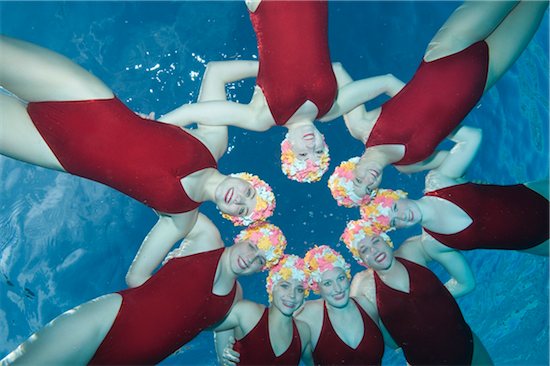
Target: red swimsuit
503,217
441,93
294,56
255,347
426,322
331,350
169,310
104,141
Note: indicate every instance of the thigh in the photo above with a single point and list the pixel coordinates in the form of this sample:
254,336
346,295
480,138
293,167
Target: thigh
71,338
35,73
511,37
19,139
471,22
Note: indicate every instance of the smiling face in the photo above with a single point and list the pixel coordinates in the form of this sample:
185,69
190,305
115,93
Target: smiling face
405,213
307,143
334,287
235,196
288,295
366,177
246,258
376,254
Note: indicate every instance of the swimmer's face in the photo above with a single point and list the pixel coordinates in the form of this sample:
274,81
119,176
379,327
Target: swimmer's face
288,296
405,213
375,252
334,287
235,196
366,177
307,143
246,258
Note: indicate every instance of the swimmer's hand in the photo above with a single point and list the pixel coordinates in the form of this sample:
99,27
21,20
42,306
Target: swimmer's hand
230,357
151,115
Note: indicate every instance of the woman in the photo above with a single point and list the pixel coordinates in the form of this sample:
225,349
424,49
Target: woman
289,92
344,329
73,123
194,289
414,306
460,215
270,335
466,57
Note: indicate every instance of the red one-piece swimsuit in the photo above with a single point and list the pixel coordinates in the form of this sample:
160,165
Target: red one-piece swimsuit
104,141
255,347
438,97
294,56
503,217
169,310
426,322
331,350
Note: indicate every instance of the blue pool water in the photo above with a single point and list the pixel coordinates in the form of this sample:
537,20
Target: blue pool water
65,240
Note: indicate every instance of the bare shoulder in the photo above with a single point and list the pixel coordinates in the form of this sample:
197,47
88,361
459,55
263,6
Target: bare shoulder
368,306
249,307
363,285
412,249
303,329
311,310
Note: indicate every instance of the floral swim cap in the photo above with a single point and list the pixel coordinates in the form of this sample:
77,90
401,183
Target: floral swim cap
303,170
320,259
357,230
266,237
379,209
265,201
340,184
289,267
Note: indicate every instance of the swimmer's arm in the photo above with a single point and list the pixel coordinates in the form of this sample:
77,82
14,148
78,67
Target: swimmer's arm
157,244
217,113
468,140
224,342
352,94
212,108
462,279
305,337
433,162
388,340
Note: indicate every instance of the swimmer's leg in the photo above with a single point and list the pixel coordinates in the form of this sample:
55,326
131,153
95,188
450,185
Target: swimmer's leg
35,74
480,356
469,23
70,339
541,187
512,36
19,138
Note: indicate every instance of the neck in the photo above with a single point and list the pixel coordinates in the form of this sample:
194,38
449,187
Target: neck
224,267
340,310
277,318
298,124
389,272
425,210
376,155
209,180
